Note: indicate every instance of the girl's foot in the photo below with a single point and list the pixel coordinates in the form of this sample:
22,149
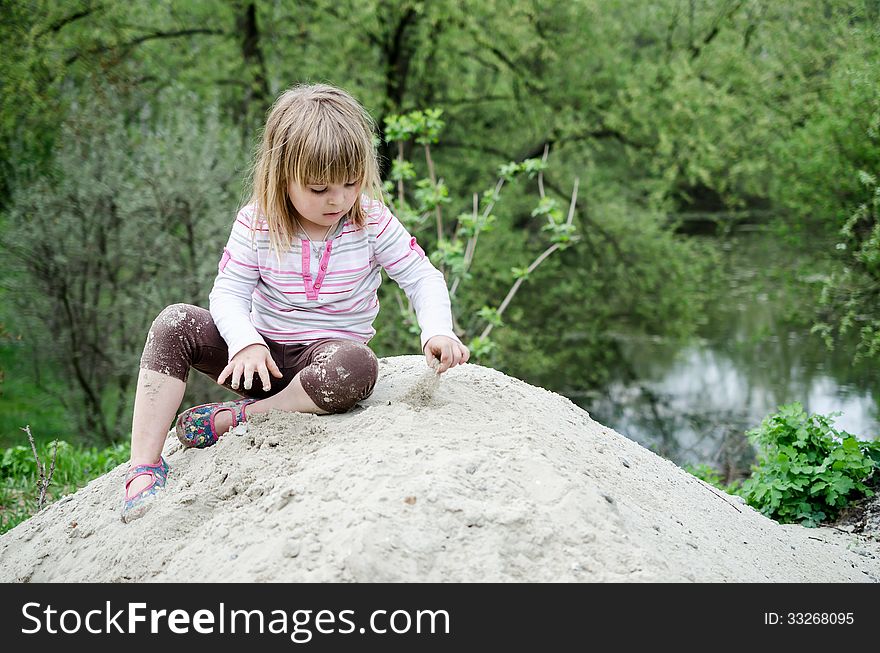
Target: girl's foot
203,425
223,421
138,484
150,479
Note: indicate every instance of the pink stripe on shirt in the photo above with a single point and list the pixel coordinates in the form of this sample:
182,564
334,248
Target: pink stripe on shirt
302,333
264,268
249,227
379,235
283,309
388,267
346,309
242,263
364,267
338,292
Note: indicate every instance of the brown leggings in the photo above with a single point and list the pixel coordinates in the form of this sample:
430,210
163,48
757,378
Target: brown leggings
335,373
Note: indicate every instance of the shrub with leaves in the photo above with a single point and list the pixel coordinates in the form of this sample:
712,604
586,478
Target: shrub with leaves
455,244
807,470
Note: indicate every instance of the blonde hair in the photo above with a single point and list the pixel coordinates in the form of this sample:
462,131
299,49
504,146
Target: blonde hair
314,134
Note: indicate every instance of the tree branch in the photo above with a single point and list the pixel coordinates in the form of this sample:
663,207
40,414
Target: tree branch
143,39
58,25
253,56
540,259
438,215
696,50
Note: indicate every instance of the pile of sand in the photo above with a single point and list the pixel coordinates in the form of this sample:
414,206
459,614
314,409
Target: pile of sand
474,476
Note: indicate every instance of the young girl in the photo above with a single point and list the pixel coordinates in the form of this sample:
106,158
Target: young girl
294,300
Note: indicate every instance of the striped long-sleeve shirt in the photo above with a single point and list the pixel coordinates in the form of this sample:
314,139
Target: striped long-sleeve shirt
304,297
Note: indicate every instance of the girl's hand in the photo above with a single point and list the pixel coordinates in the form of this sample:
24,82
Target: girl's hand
449,351
252,359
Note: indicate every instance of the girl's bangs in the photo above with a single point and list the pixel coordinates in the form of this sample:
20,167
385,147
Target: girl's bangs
335,158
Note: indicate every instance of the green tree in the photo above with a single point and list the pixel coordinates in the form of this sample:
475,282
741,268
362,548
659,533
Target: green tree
662,108
126,221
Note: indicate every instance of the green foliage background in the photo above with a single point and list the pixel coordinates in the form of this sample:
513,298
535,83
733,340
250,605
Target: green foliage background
126,132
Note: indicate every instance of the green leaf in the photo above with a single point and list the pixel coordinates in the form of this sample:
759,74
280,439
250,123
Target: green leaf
509,171
402,170
490,315
481,347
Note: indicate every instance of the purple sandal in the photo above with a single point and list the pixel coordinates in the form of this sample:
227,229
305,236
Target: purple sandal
195,427
135,507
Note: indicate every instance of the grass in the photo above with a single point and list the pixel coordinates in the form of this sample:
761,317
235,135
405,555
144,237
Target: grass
24,402
75,466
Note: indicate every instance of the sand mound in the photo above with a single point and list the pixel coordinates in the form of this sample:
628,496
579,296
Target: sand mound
471,477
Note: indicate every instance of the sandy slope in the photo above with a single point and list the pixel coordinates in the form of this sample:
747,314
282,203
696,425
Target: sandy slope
471,477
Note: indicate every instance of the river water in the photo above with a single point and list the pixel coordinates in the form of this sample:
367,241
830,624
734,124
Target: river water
692,402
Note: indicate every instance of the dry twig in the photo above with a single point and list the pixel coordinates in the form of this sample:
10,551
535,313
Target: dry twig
44,478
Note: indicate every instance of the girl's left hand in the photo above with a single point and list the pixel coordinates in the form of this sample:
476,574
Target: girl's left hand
450,352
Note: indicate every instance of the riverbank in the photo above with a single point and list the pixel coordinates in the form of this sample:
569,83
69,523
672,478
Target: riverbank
693,401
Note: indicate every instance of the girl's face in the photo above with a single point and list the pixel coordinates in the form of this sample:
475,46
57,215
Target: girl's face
321,205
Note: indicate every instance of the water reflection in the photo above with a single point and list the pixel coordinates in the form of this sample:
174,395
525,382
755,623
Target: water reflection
692,402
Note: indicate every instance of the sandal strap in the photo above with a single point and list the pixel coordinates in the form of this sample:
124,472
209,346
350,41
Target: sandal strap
140,470
213,416
236,408
240,415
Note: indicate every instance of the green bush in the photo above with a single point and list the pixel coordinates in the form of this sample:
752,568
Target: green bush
74,467
807,470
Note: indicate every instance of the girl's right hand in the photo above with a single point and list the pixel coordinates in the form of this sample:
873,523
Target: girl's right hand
250,360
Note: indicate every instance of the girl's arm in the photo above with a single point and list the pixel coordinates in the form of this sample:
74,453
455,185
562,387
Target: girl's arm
398,252
237,276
